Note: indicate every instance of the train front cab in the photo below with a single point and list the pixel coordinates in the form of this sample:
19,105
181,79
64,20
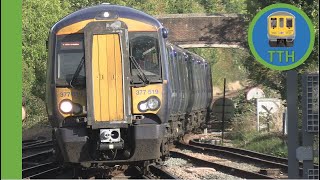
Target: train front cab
102,107
281,29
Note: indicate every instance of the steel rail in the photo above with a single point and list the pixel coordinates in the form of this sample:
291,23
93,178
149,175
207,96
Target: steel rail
245,152
161,173
219,167
30,142
40,170
234,155
37,145
37,156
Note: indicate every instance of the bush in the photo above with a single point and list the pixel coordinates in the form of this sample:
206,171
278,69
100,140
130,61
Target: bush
38,16
244,132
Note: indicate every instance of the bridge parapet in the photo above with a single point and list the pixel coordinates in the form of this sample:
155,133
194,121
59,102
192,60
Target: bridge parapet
205,30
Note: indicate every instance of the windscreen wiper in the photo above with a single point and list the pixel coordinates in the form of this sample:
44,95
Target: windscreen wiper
141,75
76,74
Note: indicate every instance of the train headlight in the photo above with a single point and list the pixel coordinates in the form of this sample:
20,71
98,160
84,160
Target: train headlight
106,14
143,106
66,106
153,103
77,108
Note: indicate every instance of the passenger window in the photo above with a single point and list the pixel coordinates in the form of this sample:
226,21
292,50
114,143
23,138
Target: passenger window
289,22
273,22
281,22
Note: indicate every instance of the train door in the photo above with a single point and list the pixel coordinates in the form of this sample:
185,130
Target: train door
196,84
107,84
107,89
184,83
172,80
281,23
176,80
181,84
210,89
201,84
205,87
187,74
190,83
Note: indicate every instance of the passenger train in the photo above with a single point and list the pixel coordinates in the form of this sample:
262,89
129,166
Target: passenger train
281,29
117,91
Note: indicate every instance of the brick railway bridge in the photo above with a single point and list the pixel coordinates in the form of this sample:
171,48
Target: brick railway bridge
204,30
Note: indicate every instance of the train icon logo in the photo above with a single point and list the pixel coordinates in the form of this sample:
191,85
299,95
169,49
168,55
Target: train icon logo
281,36
281,29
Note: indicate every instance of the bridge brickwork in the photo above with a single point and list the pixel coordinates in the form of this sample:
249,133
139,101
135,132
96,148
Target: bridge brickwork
201,30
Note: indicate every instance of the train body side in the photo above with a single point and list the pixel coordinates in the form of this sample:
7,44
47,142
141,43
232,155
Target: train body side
190,89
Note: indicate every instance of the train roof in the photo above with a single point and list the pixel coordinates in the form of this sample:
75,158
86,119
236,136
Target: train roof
281,13
195,56
93,11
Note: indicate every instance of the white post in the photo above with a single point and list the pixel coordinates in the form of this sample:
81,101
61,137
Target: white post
258,124
286,122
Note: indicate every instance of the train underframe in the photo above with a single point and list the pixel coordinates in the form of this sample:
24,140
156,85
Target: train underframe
140,143
284,42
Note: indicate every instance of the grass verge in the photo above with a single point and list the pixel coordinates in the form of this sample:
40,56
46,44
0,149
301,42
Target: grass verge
267,143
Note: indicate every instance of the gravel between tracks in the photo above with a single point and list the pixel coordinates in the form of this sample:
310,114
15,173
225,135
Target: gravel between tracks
221,160
208,136
185,170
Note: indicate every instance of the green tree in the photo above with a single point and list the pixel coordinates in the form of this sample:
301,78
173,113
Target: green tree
38,16
213,6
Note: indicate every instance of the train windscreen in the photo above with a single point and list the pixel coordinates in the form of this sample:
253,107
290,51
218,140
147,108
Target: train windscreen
70,51
144,47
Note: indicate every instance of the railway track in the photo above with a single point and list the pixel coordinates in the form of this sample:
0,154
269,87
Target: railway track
44,155
41,170
219,167
247,155
36,145
153,171
37,159
158,172
38,163
35,152
244,152
267,165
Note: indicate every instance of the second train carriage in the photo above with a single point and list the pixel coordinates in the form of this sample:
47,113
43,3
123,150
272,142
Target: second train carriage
117,91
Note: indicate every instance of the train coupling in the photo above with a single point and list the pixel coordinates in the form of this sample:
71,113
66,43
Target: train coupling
110,135
111,146
110,139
